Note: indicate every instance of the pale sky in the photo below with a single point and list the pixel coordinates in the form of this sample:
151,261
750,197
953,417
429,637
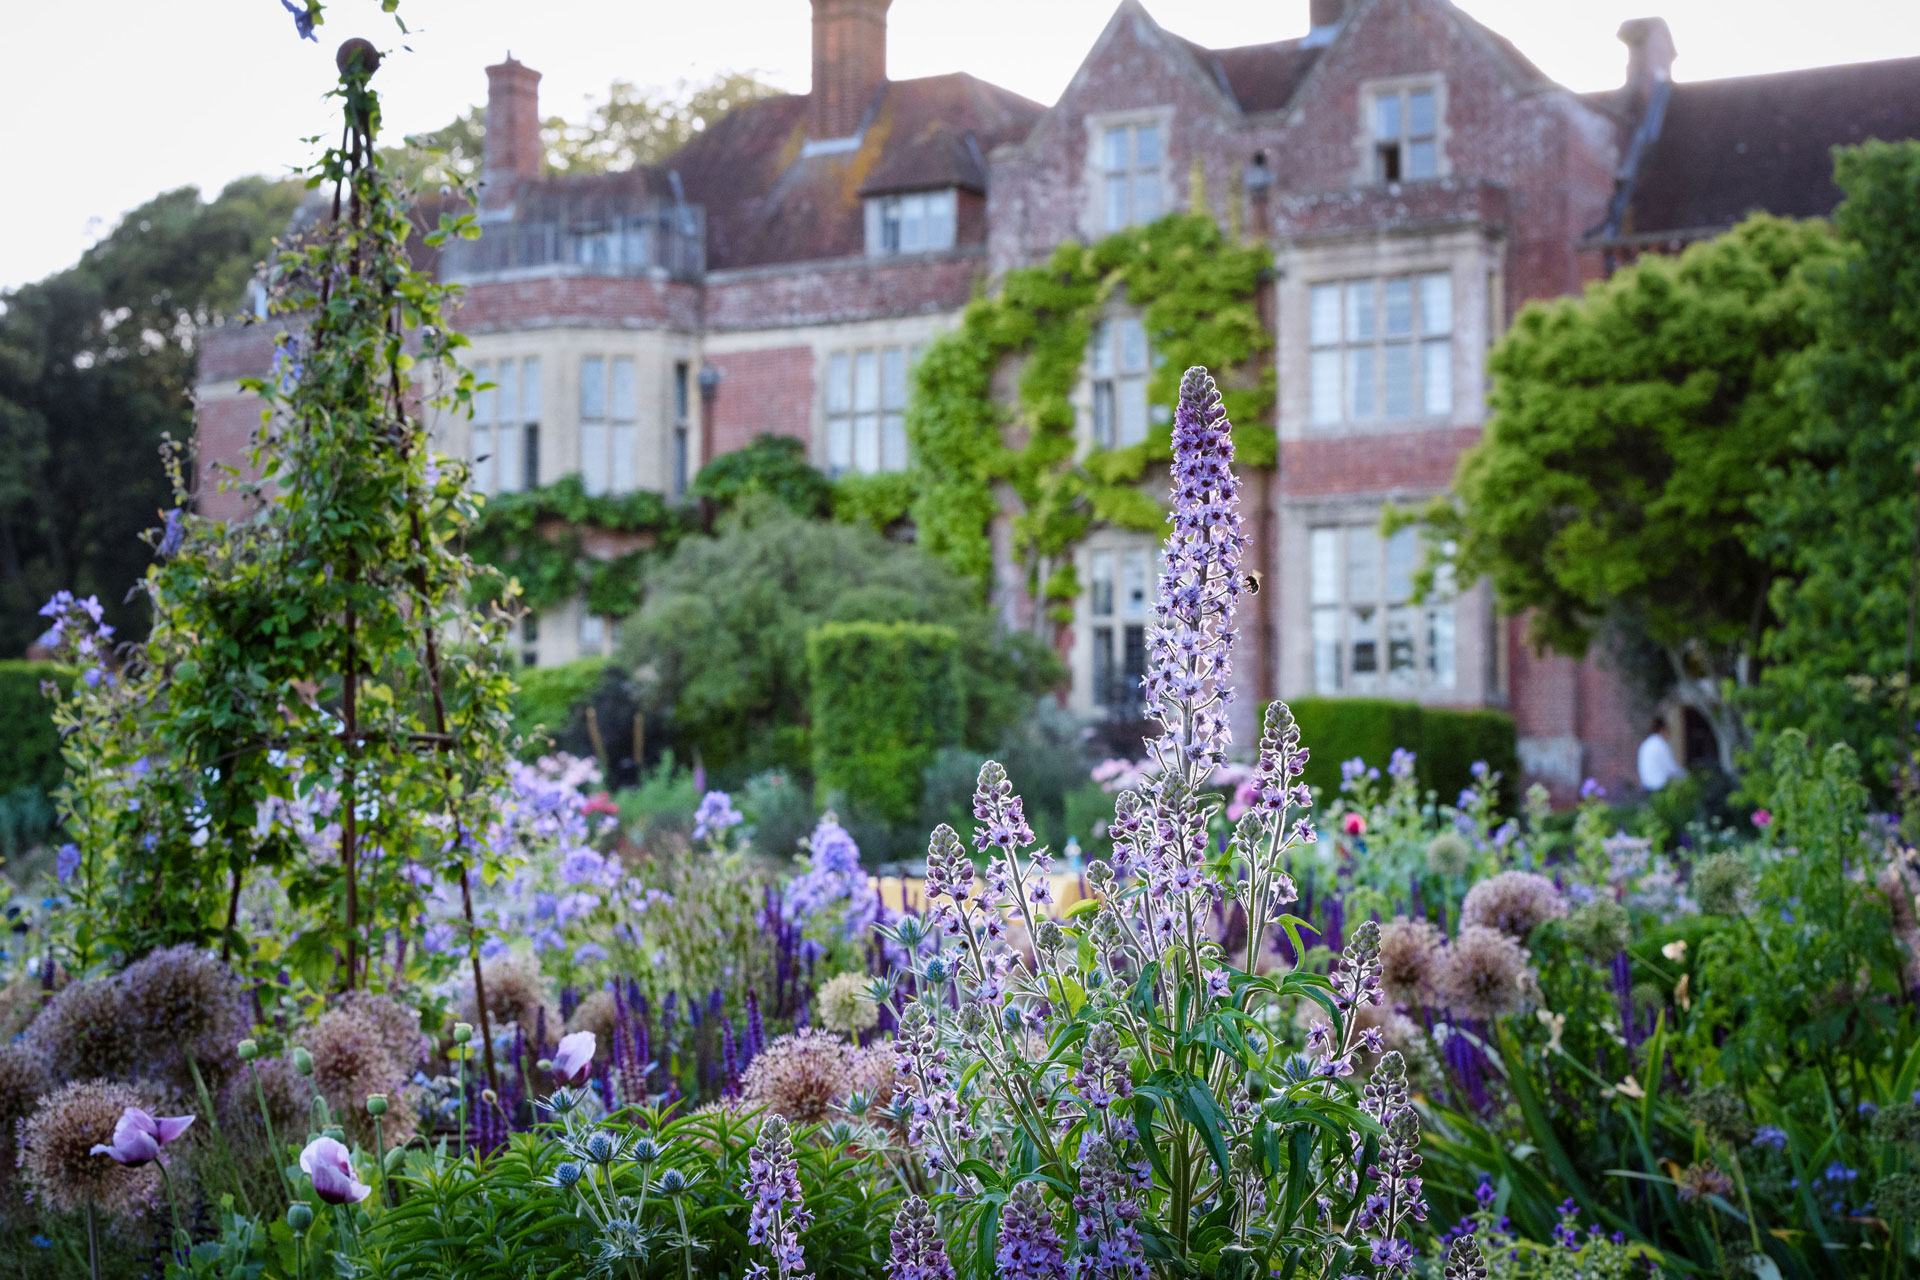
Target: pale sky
108,102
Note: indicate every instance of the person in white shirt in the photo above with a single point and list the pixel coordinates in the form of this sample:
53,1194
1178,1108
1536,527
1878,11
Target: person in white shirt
1657,765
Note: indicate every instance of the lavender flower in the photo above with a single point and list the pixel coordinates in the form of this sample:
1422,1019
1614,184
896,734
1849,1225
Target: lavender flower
918,1251
779,1211
1029,1245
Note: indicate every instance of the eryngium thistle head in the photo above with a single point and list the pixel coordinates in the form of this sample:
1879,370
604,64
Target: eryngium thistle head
1721,1113
844,1006
183,1001
1721,883
1599,928
1192,637
1482,973
799,1076
82,1032
1409,955
1449,854
1514,902
56,1144
1464,1261
1029,1243
918,1251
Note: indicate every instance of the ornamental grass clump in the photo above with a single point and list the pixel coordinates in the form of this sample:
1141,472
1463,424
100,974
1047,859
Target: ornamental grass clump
1125,1089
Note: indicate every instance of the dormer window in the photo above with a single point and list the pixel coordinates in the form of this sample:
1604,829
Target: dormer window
1406,133
920,222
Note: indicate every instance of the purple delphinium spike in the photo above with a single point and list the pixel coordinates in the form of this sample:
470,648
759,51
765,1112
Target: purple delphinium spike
779,1212
729,1061
1029,1247
540,1031
1336,919
1623,995
918,1251
756,1030
1396,1197
569,1000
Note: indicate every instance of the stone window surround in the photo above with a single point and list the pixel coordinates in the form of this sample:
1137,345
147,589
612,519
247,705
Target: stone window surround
1080,656
1093,211
1472,255
1364,140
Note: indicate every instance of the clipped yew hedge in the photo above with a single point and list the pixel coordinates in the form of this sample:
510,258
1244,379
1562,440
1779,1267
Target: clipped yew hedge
884,698
1445,740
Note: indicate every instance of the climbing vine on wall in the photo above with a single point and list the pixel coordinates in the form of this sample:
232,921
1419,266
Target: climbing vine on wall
539,536
1196,291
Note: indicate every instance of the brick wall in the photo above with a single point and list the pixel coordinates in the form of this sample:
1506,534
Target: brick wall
640,302
768,391
223,426
1416,460
839,291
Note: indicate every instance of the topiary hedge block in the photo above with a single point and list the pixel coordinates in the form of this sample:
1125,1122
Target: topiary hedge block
29,744
1445,741
884,697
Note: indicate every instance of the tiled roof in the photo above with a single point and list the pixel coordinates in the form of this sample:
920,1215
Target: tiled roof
1260,77
770,199
1732,147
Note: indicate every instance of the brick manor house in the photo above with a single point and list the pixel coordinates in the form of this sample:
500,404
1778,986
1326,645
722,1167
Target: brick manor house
1417,178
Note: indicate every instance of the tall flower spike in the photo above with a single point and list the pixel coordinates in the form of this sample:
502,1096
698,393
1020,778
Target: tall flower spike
1192,636
1464,1261
779,1212
1029,1245
918,1251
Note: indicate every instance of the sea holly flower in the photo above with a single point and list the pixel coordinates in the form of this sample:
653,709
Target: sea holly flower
138,1136
330,1166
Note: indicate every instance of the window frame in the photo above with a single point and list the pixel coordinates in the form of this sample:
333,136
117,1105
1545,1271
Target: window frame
1371,170
1351,352
1376,615
522,425
614,433
1121,584
933,216
1139,177
1119,413
850,420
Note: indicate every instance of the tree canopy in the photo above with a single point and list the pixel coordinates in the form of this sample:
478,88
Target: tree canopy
720,643
1629,436
96,367
1838,513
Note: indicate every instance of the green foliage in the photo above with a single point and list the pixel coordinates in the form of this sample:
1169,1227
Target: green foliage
1446,742
319,658
880,500
96,370
30,752
719,646
539,539
1627,440
546,698
1196,291
885,697
1840,514
774,465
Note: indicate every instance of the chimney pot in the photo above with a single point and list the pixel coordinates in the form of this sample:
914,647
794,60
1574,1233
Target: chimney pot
511,151
1650,55
849,64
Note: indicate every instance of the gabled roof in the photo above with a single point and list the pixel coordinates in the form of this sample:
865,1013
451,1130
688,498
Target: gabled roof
770,198
1728,148
1259,77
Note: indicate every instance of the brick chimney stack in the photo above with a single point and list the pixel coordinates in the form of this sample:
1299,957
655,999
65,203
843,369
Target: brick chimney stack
511,152
1649,57
849,64
1323,20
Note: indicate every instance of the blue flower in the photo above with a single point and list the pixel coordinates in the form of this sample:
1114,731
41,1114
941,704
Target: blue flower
1592,790
67,862
1768,1135
303,20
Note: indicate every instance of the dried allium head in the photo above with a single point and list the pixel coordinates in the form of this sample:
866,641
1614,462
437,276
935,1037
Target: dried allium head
56,1145
183,1002
801,1076
517,991
1599,928
1483,973
82,1033
397,1023
844,1006
1409,951
596,1013
1901,884
1514,902
1720,1112
1449,854
24,1080
870,1072
351,1059
288,1094
1698,1181
1721,884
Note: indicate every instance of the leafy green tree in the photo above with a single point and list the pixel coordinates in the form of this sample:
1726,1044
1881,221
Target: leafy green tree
96,369
775,465
1839,513
1626,455
720,644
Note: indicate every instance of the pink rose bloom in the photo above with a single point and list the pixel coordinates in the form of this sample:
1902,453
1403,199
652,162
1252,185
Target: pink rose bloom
1354,825
574,1058
331,1168
138,1137
1762,819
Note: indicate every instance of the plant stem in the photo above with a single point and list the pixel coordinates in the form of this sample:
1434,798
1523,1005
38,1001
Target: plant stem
278,1152
686,1241
219,1135
380,1158
93,1248
460,1139
174,1249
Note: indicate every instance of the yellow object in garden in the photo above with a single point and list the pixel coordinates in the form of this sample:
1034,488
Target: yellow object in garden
902,893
